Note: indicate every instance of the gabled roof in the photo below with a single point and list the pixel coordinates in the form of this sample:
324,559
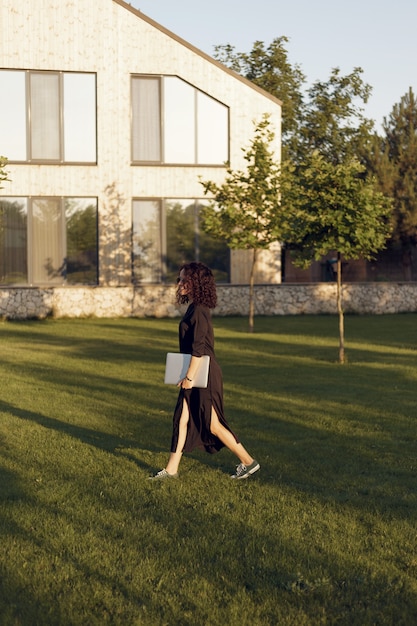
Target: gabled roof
202,54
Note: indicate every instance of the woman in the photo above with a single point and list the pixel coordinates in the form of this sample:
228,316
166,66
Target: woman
199,420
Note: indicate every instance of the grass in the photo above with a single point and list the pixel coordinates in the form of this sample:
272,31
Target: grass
324,534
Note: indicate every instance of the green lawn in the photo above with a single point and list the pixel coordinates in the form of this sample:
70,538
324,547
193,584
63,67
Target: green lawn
325,533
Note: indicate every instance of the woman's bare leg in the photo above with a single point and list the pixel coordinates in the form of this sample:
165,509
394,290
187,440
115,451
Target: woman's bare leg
175,457
226,437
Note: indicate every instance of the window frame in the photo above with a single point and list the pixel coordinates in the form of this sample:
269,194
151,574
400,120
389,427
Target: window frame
162,203
62,129
195,124
62,234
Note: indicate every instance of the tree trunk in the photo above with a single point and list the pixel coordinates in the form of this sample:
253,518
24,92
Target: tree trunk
340,310
407,262
251,292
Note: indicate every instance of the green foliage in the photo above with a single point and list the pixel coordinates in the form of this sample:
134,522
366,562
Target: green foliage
324,534
393,159
246,211
332,118
82,230
329,119
269,68
13,219
81,258
3,174
331,205
180,236
333,208
187,241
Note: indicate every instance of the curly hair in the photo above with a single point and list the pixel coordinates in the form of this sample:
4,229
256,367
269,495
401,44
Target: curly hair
202,286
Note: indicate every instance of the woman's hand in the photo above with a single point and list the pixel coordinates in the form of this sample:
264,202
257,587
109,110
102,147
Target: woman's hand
185,383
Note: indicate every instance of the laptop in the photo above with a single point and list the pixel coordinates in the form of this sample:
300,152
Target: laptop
176,368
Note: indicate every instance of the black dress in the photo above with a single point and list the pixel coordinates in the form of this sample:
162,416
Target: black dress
196,337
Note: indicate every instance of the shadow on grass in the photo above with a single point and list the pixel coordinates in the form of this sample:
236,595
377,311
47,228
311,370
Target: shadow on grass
284,402
231,553
310,420
107,442
337,445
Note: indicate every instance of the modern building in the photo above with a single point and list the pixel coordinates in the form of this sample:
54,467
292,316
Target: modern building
109,122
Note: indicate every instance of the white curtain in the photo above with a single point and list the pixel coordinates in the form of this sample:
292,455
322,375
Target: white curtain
146,119
45,116
47,241
147,241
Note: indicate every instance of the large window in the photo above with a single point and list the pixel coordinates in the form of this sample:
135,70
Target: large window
48,116
167,233
173,122
48,241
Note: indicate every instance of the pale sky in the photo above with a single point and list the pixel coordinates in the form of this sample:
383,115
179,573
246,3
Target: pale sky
377,35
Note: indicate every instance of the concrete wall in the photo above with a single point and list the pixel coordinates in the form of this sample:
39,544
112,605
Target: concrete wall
159,301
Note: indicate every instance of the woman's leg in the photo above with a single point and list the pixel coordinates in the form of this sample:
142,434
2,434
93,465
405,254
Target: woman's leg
226,437
175,457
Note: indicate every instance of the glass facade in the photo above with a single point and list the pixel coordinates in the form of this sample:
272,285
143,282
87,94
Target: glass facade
13,241
48,241
167,233
175,123
48,116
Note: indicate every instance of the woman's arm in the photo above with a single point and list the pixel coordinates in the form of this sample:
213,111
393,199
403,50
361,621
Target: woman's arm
187,382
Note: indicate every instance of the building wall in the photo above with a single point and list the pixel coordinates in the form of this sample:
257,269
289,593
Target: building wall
112,39
267,267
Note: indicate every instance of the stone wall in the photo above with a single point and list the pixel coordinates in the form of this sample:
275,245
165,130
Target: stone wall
158,300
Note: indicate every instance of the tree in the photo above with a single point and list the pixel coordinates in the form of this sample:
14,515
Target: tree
269,68
3,174
332,121
335,209
246,213
393,160
332,205
328,200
